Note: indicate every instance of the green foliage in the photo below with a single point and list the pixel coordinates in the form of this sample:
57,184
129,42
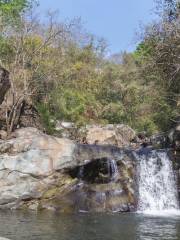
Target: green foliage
73,105
114,113
68,104
13,5
143,51
147,125
6,50
163,115
10,10
46,117
73,81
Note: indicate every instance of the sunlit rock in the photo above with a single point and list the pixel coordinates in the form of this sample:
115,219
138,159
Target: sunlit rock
38,171
119,135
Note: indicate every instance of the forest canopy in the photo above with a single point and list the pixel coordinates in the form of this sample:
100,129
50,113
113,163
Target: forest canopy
65,72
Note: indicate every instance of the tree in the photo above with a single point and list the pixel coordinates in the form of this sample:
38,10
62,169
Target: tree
167,9
11,10
158,55
62,70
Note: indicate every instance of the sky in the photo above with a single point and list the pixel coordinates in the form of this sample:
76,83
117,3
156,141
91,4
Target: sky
115,20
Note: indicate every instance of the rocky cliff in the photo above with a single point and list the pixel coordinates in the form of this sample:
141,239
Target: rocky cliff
38,172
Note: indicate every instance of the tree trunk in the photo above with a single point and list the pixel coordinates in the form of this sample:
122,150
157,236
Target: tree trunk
4,83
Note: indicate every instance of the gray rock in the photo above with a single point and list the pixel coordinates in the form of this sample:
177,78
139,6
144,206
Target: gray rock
60,125
38,171
113,134
2,238
3,134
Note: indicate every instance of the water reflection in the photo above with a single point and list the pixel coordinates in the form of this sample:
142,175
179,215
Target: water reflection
48,226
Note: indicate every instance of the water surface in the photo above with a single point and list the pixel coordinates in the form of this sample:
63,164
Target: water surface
50,226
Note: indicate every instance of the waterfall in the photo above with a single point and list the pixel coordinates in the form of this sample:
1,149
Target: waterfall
112,169
157,183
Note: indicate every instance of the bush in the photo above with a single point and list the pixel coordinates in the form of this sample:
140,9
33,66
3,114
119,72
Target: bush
113,113
46,117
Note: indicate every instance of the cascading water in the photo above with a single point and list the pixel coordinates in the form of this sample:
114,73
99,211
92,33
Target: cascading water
157,183
113,169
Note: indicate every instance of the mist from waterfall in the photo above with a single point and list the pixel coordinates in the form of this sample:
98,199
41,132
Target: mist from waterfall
157,184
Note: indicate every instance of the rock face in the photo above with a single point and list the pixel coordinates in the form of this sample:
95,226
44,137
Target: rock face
119,135
174,136
4,83
112,134
174,140
38,172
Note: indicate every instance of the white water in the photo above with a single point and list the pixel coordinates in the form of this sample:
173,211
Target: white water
157,184
113,169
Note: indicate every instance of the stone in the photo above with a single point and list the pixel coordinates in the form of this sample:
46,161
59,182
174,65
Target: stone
38,172
64,125
119,135
159,141
174,139
3,135
35,153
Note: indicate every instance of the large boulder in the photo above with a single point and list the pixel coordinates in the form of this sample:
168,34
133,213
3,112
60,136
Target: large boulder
38,171
4,83
27,162
119,135
32,152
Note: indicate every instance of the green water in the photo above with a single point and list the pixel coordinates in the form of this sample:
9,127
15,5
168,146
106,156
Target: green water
50,226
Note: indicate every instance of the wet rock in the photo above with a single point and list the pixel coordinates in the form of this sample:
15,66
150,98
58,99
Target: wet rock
92,192
174,137
159,141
